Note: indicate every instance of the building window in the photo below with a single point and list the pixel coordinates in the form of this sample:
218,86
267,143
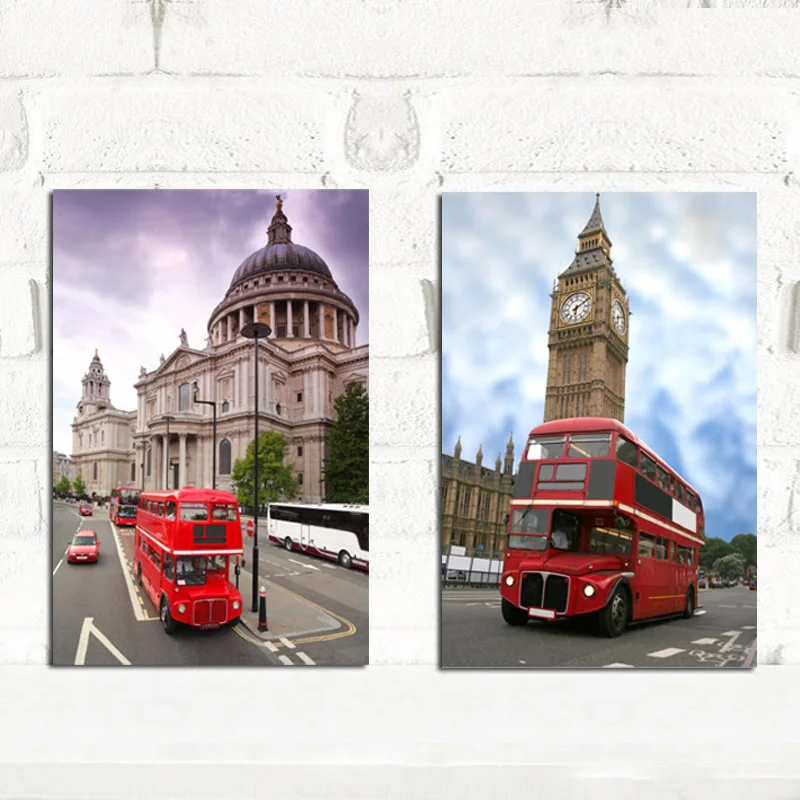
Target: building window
278,409
133,472
149,463
296,331
183,397
225,406
299,397
94,472
300,478
224,457
300,450
281,331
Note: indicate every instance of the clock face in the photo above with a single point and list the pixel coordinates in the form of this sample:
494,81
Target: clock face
618,316
576,307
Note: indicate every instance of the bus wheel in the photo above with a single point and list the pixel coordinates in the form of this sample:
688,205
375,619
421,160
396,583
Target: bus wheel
513,615
688,612
287,543
167,622
345,560
139,573
614,617
235,621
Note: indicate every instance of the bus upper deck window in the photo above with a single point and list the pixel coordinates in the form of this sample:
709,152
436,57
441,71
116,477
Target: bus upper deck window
223,512
546,447
194,511
589,445
171,509
626,451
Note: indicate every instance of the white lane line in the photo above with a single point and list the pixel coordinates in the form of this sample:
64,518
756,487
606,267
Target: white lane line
285,660
698,612
83,641
729,644
303,564
138,611
104,639
617,664
723,605
705,640
60,562
731,633
305,659
286,642
667,652
748,627
329,566
271,647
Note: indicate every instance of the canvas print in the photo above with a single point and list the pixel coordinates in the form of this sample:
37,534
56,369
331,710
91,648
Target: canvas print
598,471
210,428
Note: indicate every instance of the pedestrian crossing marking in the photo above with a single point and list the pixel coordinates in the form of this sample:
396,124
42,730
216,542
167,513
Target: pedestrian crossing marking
748,627
617,664
706,640
667,652
731,633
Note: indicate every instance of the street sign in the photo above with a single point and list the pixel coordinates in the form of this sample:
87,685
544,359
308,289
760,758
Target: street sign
250,527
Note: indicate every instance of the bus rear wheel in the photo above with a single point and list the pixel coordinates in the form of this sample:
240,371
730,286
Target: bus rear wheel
287,543
613,619
513,615
688,612
345,559
167,622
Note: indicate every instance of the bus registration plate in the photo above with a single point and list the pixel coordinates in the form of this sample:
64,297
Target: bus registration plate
206,625
544,613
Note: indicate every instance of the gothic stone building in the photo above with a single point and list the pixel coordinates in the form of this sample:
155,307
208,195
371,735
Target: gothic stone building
308,360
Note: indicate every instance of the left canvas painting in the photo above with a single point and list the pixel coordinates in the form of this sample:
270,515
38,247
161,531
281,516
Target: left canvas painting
187,326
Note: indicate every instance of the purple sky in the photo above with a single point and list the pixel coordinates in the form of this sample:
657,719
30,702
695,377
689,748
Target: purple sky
131,268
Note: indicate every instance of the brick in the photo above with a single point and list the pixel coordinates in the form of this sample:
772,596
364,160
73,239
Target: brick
25,404
397,481
615,124
398,324
25,645
25,209
20,317
13,132
229,127
71,37
414,222
404,400
21,496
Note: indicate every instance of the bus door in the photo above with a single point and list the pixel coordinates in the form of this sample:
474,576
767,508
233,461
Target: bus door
306,536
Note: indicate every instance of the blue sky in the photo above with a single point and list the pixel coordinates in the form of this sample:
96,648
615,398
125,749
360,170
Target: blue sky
688,263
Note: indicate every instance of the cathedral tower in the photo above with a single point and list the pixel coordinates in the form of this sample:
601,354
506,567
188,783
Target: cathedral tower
588,337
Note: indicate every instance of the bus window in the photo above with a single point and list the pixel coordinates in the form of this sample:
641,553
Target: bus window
223,512
679,492
694,503
566,527
626,451
194,511
589,445
216,562
567,476
169,567
664,479
648,467
546,447
529,520
171,507
191,570
160,511
610,541
662,549
647,544
684,555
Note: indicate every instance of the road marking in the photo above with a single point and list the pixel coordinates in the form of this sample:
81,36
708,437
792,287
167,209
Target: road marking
724,605
329,566
751,654
305,659
667,652
617,664
731,633
729,644
303,564
286,642
87,629
271,647
285,660
706,640
60,562
138,609
748,627
698,612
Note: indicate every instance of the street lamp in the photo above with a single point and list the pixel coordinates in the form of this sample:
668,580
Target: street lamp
255,331
213,405
167,418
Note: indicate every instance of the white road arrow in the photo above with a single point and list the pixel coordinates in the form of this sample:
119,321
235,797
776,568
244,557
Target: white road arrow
88,629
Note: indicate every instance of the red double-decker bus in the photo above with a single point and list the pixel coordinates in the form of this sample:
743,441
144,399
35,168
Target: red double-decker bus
599,524
122,505
184,547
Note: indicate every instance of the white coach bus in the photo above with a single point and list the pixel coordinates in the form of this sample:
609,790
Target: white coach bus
336,531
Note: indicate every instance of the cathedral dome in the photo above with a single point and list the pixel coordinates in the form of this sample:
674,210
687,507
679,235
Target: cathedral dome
280,253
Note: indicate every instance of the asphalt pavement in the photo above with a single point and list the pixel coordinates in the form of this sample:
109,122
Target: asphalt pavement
721,634
101,617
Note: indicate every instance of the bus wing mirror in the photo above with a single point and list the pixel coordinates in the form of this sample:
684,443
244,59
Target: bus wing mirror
237,570
505,520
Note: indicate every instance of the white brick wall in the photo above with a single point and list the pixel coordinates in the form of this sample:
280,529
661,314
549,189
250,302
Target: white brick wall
408,98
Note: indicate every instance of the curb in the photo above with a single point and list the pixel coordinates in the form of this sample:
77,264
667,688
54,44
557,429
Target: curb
751,655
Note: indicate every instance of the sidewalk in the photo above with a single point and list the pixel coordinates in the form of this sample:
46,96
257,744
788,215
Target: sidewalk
288,614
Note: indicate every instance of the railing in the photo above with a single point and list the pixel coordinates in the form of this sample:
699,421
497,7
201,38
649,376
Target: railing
478,569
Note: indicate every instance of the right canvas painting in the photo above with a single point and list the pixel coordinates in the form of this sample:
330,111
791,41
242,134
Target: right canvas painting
598,472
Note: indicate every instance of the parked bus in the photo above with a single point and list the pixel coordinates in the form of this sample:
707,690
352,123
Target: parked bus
336,531
599,524
122,505
185,543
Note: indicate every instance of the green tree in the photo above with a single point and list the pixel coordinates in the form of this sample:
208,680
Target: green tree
64,486
730,566
747,545
347,465
276,480
714,549
79,486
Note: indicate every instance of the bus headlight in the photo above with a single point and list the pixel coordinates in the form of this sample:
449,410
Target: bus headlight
588,591
181,609
509,580
236,605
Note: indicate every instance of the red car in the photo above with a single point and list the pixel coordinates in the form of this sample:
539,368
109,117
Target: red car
85,509
84,547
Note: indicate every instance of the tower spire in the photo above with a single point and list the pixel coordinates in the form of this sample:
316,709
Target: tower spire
279,231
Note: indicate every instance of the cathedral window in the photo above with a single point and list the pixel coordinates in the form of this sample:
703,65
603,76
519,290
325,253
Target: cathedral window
94,471
299,397
149,463
224,457
281,331
183,397
300,450
225,406
300,478
133,472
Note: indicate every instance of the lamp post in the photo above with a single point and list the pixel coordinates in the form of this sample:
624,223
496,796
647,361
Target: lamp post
167,418
255,331
213,405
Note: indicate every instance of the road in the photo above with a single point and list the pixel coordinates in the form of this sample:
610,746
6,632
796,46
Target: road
96,621
719,635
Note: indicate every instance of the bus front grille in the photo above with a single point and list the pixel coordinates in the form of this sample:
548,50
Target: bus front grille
531,590
556,592
210,611
544,590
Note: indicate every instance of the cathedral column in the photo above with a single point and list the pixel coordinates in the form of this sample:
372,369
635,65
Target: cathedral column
228,328
182,459
163,483
335,324
289,321
306,331
321,321
242,318
272,322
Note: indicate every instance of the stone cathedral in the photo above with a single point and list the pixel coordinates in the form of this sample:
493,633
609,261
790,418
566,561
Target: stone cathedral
588,337
309,359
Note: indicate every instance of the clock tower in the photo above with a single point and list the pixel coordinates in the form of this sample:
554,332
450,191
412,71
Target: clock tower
588,337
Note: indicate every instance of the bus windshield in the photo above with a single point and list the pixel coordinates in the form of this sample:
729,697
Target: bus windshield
191,570
128,497
127,511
